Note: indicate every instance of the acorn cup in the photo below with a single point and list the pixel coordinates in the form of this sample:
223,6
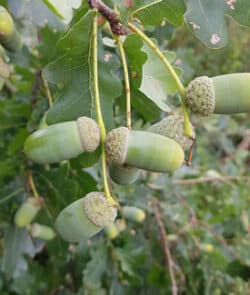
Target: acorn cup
143,150
123,175
63,141
85,217
27,211
9,37
42,232
134,214
224,94
173,127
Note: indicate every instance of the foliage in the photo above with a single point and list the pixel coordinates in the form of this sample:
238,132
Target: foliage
205,208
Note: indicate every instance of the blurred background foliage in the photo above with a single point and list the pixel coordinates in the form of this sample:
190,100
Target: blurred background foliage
205,208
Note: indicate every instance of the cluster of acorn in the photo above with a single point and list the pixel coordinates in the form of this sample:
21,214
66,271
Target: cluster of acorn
160,149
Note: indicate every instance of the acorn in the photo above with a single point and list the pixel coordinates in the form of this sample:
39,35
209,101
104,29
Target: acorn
173,127
42,232
143,149
27,211
122,174
9,37
63,141
224,94
85,217
111,231
134,214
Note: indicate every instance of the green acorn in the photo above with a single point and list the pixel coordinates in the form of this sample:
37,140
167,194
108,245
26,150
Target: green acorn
111,231
9,37
85,217
225,94
63,141
173,127
134,214
123,175
143,150
42,232
27,211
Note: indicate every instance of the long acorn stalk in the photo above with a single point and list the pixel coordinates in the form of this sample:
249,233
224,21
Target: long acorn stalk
223,94
170,69
120,174
99,111
144,150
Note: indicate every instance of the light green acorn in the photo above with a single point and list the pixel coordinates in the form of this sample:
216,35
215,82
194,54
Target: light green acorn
173,127
9,37
143,150
85,217
63,141
111,231
27,211
123,175
42,232
225,94
134,214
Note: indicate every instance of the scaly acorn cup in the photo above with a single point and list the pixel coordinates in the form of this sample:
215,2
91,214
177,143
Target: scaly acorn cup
173,127
63,141
27,211
123,175
42,232
225,94
134,214
143,150
9,37
85,217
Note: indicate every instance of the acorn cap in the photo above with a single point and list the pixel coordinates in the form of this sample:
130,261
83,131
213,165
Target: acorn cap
116,144
200,96
89,133
98,210
173,127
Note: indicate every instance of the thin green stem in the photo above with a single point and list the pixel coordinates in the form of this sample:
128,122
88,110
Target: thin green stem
32,186
47,91
126,80
11,195
180,87
99,112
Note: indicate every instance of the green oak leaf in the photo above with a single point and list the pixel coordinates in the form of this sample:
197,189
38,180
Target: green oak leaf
71,72
157,83
240,11
17,242
136,57
154,12
206,19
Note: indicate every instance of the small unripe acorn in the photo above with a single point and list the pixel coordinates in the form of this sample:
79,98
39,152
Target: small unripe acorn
63,141
27,211
85,217
123,175
9,37
173,127
224,94
143,150
111,231
42,232
134,214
